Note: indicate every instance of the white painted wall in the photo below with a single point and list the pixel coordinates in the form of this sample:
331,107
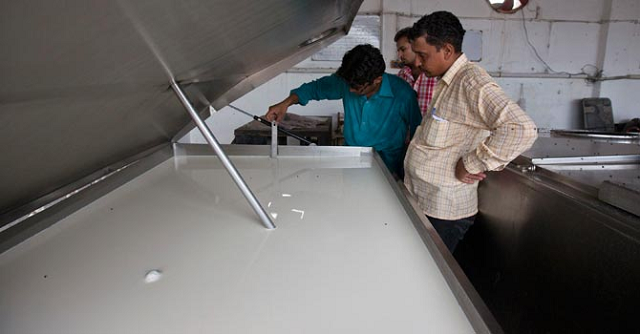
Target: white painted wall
568,36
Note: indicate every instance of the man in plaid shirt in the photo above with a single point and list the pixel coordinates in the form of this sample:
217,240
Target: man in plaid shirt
472,127
423,85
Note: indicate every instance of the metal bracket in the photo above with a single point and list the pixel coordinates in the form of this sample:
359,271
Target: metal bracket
274,140
526,168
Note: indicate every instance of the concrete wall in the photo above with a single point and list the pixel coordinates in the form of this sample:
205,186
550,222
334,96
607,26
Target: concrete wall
573,37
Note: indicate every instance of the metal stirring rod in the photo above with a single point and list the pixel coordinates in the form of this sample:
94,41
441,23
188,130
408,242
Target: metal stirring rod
267,123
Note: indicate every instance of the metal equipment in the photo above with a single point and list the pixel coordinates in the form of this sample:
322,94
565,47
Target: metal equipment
95,88
108,225
176,249
556,246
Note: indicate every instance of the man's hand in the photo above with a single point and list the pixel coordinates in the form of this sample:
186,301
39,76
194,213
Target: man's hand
466,177
276,112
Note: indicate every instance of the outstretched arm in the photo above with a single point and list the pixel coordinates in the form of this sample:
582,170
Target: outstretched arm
330,87
276,112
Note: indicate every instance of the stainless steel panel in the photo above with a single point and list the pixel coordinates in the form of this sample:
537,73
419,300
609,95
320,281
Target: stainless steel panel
549,258
85,83
587,162
549,147
22,223
621,196
595,175
365,30
284,151
597,134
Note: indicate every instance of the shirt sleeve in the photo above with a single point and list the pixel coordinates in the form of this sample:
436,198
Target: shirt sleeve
330,87
413,116
512,131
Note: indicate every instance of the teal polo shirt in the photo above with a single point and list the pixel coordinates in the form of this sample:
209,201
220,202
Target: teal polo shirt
381,121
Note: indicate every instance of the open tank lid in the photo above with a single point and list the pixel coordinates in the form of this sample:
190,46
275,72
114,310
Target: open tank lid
85,84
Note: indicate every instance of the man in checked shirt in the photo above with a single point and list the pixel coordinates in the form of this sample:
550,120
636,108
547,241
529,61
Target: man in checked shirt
472,127
411,73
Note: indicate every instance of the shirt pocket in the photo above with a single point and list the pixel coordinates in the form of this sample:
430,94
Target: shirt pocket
436,132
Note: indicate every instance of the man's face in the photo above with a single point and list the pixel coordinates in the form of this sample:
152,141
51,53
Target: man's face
367,89
428,58
405,54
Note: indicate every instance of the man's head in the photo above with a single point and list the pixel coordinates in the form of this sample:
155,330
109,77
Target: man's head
403,46
362,68
436,40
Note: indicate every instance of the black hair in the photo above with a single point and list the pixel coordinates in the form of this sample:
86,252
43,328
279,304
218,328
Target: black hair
361,65
404,32
440,27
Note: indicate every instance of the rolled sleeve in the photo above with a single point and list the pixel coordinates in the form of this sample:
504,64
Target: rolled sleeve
326,88
473,164
512,132
413,116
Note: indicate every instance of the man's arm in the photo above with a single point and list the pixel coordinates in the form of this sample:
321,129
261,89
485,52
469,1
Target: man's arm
329,87
276,112
412,115
512,132
464,176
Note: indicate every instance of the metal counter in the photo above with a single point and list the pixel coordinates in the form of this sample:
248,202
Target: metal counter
107,226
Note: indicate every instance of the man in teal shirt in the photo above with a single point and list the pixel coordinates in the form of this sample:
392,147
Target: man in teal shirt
379,109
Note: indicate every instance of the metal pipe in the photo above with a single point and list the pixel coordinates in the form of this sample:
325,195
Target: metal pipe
538,75
579,161
621,77
267,123
213,142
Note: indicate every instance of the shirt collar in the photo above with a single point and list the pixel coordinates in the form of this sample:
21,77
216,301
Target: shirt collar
385,87
454,69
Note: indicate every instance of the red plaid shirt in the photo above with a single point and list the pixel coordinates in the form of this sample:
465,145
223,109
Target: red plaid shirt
424,86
